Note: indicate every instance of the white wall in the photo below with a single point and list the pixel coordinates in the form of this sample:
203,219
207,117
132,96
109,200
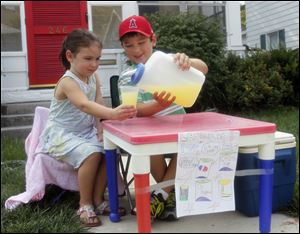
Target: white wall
233,26
14,66
269,16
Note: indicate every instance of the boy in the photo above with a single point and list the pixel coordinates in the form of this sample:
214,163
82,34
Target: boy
138,40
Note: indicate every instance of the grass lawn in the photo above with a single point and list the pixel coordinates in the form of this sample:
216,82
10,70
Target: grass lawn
40,216
45,217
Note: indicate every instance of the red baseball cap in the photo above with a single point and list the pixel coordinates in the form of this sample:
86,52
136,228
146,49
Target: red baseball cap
135,24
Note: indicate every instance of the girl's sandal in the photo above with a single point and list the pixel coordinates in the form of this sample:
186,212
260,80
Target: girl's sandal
104,209
88,218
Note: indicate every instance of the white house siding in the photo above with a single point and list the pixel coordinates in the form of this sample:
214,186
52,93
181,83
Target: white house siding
14,71
264,17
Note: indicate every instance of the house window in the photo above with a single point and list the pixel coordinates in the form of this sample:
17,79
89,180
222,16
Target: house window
210,12
106,20
209,9
11,39
150,7
273,40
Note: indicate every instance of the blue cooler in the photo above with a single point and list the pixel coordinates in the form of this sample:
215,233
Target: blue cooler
247,187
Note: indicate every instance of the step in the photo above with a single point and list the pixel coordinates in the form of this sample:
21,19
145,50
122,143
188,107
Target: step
16,120
22,108
16,132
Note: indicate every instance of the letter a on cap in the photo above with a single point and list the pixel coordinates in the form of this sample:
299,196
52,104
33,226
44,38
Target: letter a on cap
132,23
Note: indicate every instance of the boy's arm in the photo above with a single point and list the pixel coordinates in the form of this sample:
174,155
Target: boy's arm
148,109
199,65
184,62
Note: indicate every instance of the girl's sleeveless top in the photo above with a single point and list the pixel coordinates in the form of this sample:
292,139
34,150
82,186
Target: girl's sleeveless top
70,134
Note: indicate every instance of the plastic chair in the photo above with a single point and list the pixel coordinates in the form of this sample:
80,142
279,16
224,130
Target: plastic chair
114,91
41,169
115,101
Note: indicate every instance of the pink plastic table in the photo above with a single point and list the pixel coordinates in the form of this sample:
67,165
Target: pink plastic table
143,137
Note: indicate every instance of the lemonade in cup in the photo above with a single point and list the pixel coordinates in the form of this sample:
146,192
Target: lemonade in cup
129,95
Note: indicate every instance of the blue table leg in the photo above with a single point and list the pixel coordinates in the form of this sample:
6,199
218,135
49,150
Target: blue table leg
265,195
111,169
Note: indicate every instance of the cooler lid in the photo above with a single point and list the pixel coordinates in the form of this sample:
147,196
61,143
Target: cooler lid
283,140
283,137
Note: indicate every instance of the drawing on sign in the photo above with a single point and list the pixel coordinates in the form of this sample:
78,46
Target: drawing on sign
205,172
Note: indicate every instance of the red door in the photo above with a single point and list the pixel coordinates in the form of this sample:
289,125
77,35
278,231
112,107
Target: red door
47,23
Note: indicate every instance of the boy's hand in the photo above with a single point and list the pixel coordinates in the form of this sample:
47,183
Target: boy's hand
123,112
163,99
183,61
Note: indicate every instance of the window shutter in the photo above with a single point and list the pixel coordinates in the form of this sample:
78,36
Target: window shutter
48,22
281,38
263,41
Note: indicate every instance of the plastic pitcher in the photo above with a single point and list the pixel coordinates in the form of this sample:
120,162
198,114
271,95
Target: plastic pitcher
160,73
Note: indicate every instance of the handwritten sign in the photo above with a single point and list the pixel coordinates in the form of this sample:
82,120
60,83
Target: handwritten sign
205,172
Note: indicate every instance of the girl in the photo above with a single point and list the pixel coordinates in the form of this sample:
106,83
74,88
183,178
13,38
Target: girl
73,132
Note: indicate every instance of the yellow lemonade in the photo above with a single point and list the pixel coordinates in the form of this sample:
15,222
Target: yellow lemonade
185,95
129,98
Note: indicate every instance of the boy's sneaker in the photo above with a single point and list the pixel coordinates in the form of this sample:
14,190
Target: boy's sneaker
169,213
157,205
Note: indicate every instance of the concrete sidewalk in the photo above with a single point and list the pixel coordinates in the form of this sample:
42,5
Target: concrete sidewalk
225,222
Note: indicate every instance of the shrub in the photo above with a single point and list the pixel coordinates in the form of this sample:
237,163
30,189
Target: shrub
253,83
287,63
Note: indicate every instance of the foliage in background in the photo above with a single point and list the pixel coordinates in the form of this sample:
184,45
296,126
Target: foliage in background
287,61
188,33
260,80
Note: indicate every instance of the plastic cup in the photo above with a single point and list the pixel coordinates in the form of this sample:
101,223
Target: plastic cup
129,95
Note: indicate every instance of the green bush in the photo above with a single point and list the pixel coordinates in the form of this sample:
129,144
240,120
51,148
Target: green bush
287,62
254,82
188,33
262,79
